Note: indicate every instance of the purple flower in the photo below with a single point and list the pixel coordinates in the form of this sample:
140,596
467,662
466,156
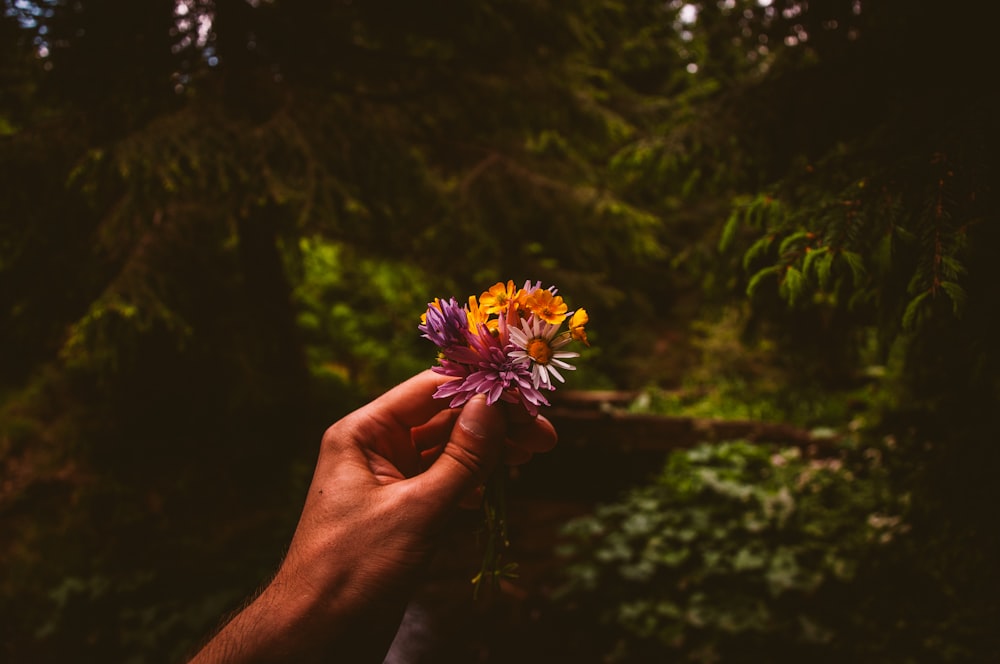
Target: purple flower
494,374
446,324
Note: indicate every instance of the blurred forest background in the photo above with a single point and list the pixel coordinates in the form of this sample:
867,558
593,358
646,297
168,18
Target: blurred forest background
222,219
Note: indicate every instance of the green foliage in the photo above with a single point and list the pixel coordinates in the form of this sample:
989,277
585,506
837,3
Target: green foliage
209,241
359,316
850,242
737,553
736,375
109,331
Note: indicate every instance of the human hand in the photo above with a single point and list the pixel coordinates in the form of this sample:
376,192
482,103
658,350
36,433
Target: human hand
387,478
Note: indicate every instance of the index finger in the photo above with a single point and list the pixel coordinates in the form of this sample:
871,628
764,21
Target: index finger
409,404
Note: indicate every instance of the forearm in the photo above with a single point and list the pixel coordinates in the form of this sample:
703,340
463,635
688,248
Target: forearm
277,626
371,517
295,622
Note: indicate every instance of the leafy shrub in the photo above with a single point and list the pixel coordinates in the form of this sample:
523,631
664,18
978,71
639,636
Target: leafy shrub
737,552
358,317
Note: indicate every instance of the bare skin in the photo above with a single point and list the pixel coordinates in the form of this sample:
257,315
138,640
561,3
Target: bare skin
388,477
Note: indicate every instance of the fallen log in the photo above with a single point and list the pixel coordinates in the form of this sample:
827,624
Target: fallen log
604,450
631,431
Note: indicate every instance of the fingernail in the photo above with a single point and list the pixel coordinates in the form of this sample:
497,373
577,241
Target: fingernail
482,420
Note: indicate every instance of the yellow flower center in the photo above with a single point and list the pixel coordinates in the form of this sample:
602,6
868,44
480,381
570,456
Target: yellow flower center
540,351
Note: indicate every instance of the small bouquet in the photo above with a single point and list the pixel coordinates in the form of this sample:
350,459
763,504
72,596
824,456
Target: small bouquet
509,345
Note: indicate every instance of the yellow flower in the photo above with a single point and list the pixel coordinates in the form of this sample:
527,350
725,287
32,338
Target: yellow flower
550,308
498,298
478,315
576,323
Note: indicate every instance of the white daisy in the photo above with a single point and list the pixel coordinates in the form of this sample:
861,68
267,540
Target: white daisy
537,343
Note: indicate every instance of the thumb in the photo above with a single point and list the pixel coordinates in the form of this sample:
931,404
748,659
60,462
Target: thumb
473,450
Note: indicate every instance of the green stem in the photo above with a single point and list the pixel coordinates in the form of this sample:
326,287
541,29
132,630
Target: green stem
495,518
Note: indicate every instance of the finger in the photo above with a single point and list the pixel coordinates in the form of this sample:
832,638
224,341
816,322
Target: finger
410,403
435,432
515,456
473,450
525,439
430,455
535,435
517,413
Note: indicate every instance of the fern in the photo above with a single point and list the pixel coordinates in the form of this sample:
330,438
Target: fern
792,285
910,315
957,295
756,279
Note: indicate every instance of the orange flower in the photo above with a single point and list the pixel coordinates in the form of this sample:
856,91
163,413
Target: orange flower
550,308
498,298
